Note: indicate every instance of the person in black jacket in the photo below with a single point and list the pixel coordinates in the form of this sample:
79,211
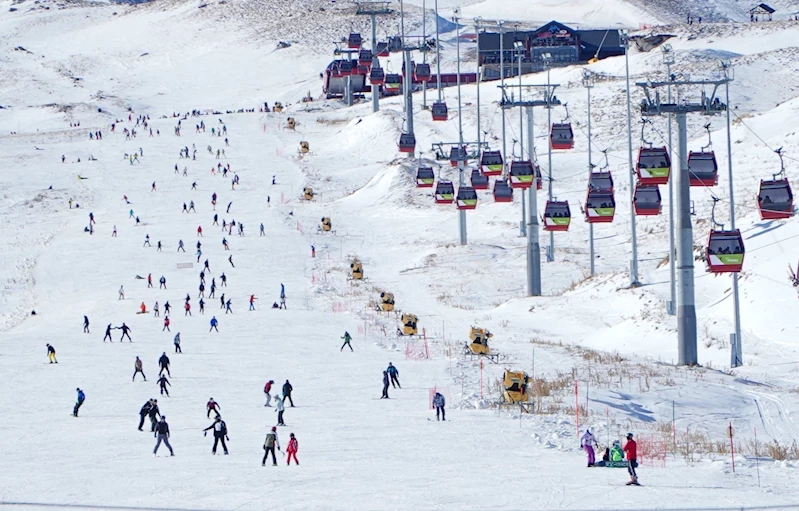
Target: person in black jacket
287,388
145,410
162,433
220,433
385,385
163,382
163,362
154,411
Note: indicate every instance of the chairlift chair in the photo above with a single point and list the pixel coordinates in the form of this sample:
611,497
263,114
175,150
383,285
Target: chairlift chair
354,41
466,198
561,136
557,216
439,111
407,143
654,165
425,178
377,76
725,251
365,58
479,180
445,192
646,200
421,73
775,199
600,207
703,170
502,191
521,174
491,163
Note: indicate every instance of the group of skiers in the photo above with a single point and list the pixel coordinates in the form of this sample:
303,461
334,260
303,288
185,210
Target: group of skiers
615,454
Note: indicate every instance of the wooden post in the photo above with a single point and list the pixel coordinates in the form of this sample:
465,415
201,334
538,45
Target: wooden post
732,449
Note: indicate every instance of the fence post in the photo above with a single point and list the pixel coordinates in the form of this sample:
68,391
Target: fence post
577,408
732,448
481,378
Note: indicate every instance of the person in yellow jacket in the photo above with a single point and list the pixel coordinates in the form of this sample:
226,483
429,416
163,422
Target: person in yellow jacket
51,354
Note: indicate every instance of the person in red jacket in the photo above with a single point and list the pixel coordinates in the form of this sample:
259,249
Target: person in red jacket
631,451
166,324
212,405
187,307
291,450
267,391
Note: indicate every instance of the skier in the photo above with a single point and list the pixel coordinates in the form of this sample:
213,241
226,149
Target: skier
187,307
631,449
228,305
177,343
267,391
163,382
79,403
393,373
202,306
270,442
347,338
191,206
137,368
51,354
220,433
166,307
114,233
144,411
283,297
125,331
159,246
280,408
156,311
154,411
262,230
180,246
223,278
225,244
163,363
147,240
86,325
162,282
149,280
313,251
228,207
199,230
162,433
291,450
385,385
212,405
252,302
588,442
166,324
287,389
439,402
214,323
108,333
230,260
121,292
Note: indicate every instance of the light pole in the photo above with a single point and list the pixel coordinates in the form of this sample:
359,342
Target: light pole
634,263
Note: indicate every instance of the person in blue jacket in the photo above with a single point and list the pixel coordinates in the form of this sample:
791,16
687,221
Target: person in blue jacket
214,322
81,399
393,373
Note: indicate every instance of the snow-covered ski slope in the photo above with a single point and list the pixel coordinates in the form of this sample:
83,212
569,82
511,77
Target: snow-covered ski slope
357,451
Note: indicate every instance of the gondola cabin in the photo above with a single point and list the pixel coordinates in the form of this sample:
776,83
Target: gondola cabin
521,174
394,44
601,182
326,224
703,170
307,193
345,68
409,322
725,251
392,83
466,198
445,192
407,143
562,136
365,58
479,180
421,73
377,76
425,178
646,200
775,199
491,163
653,166
557,216
382,49
502,191
456,154
386,301
356,270
439,111
354,41
600,207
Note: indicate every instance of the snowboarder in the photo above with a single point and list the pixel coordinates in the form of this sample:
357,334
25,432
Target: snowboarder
137,368
631,450
163,363
144,411
51,354
270,443
220,433
347,338
79,403
439,403
125,331
287,389
385,385
291,450
212,405
393,373
162,433
177,343
268,392
214,323
280,408
588,442
86,325
163,382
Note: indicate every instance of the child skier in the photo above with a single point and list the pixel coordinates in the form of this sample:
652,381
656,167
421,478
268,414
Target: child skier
212,405
291,450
